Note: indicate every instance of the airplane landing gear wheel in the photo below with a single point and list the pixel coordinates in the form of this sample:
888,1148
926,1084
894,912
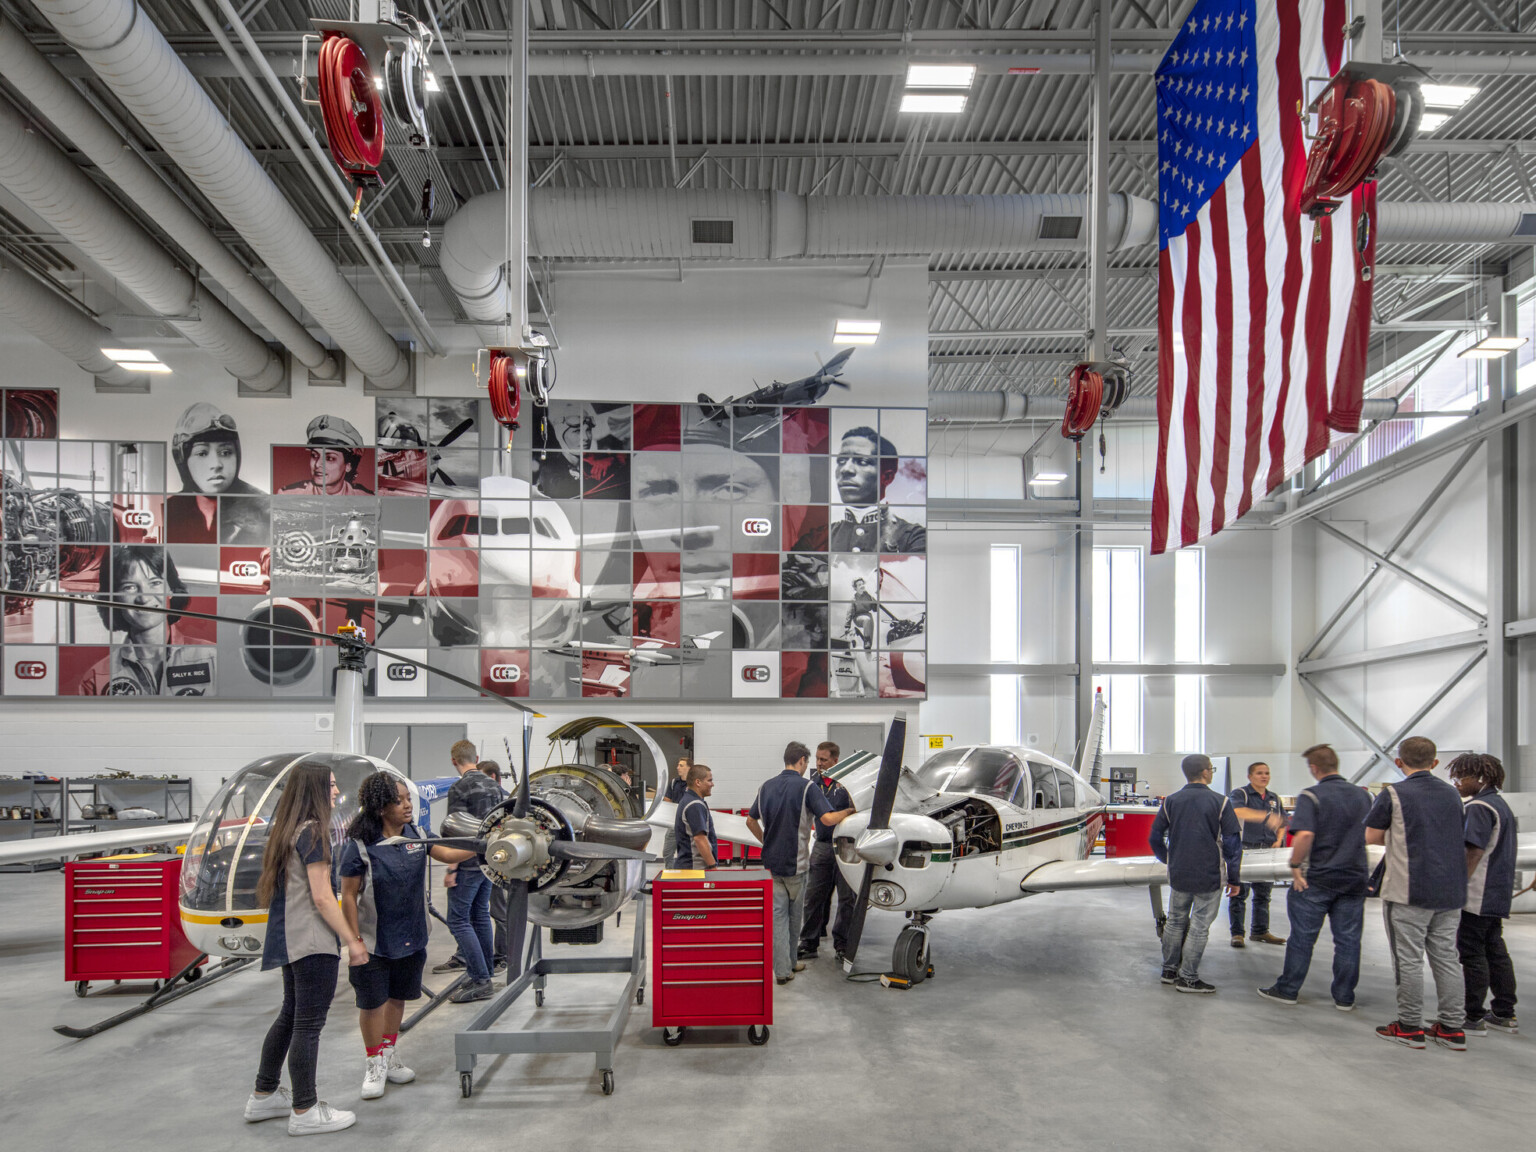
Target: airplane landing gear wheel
757,1034
910,957
672,1037
466,1084
607,1081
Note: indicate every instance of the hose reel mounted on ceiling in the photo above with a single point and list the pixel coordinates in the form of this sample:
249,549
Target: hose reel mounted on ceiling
1366,113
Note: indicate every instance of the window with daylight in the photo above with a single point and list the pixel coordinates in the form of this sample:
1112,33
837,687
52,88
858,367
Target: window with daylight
1005,603
1117,614
1005,710
1189,648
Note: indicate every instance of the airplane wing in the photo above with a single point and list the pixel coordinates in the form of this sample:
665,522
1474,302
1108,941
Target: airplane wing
1262,865
728,826
76,843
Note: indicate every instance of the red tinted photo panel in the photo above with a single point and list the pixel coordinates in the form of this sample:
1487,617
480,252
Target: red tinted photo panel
806,430
754,577
657,428
505,671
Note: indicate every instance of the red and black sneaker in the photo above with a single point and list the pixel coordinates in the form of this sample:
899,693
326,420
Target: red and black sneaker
1412,1037
1453,1038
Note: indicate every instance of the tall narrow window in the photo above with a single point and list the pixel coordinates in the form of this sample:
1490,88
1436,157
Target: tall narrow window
1004,649
1117,600
1189,648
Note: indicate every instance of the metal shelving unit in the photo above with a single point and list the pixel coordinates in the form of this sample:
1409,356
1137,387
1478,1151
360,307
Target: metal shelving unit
36,795
171,798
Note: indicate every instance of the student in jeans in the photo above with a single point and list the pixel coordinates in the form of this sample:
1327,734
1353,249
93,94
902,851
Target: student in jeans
383,900
469,892
1328,879
1424,886
1197,834
674,794
781,817
1254,799
1491,838
304,931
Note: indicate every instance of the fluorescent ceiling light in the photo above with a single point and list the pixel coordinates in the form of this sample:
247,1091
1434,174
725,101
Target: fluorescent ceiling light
1447,95
1433,121
147,366
1047,477
129,355
1492,347
936,102
431,83
941,75
858,327
853,338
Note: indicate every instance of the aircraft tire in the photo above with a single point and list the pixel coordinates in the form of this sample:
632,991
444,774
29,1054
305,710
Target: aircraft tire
910,956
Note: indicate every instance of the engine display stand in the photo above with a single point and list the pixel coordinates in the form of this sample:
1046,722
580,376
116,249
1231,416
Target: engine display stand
480,1040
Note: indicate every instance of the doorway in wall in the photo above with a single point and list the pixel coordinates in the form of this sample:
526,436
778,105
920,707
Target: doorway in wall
418,750
851,738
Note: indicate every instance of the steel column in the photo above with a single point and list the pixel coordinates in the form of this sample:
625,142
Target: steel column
1503,559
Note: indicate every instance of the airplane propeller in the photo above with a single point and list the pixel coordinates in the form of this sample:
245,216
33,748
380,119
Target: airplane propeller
877,845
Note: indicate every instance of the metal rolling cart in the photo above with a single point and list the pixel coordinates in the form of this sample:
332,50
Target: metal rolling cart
479,1039
31,807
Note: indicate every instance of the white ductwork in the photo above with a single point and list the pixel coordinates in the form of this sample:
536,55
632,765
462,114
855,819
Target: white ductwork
50,94
48,183
66,330
126,50
1403,222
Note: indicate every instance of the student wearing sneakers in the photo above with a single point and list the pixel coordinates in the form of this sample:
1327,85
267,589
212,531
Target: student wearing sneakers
1263,819
1328,879
1491,838
1197,834
384,902
781,817
1424,886
469,888
304,933
694,824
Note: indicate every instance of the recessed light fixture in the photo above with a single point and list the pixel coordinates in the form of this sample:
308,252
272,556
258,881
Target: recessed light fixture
1492,347
940,103
1433,121
136,359
1447,95
1047,477
941,75
856,332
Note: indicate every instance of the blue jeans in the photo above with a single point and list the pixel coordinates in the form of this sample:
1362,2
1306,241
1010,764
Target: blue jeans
788,919
469,919
1188,928
1346,918
1237,908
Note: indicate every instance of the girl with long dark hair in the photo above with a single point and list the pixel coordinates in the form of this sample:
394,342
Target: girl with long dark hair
304,930
383,899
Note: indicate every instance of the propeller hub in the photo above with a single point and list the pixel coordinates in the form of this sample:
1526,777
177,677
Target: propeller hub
878,846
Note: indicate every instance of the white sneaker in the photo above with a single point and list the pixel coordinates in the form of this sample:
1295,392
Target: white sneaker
279,1103
375,1073
398,1072
321,1118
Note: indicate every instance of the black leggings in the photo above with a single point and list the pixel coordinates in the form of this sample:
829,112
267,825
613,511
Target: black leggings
309,986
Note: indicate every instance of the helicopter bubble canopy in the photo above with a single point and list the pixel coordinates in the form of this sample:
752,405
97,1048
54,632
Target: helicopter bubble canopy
222,866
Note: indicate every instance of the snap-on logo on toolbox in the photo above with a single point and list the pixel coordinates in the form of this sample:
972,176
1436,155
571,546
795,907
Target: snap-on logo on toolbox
681,916
755,673
756,526
98,891
245,569
401,672
31,670
139,518
506,673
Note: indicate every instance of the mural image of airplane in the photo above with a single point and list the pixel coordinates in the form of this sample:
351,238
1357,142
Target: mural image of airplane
793,394
646,650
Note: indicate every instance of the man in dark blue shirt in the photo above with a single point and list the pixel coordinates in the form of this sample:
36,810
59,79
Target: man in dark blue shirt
1492,839
469,896
1424,885
674,793
824,874
1263,819
694,825
1328,879
1198,836
781,818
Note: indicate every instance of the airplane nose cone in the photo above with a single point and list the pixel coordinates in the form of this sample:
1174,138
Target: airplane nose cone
877,846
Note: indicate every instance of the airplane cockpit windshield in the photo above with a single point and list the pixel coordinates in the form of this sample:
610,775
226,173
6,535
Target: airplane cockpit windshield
994,772
224,854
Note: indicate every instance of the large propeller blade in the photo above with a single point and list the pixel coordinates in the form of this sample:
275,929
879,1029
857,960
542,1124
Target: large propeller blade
581,850
879,824
517,927
520,808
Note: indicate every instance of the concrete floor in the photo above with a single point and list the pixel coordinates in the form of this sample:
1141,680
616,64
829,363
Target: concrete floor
1045,1026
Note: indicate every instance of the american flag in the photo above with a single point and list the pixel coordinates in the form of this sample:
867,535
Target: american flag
1263,316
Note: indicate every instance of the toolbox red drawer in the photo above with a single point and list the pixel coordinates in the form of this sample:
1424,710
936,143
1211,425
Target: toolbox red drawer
122,920
704,934
716,1000
713,951
696,969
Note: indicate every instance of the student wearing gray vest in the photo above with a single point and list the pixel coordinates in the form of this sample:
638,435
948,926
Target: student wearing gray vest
1491,838
1424,885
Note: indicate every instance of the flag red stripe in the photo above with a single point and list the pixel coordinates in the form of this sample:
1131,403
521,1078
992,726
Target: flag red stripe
1258,313
1315,333
1189,520
1221,425
1294,144
1164,399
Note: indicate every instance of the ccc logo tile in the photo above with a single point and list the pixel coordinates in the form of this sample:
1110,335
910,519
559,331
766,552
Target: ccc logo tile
756,526
755,673
31,670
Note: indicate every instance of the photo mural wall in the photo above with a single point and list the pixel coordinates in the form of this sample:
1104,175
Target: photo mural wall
649,551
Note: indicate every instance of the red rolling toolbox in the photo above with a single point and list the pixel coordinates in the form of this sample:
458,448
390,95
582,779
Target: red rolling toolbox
1127,828
712,953
122,920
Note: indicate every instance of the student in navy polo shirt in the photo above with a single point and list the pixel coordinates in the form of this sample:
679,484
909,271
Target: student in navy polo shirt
384,900
1328,879
1424,885
1197,834
694,825
674,794
824,875
1263,819
781,818
1492,838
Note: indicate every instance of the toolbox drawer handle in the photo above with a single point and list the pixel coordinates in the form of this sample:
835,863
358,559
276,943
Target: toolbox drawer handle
749,944
686,983
144,928
122,944
712,964
706,927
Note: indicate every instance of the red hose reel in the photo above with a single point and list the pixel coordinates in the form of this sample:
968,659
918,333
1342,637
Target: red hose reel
1085,400
352,111
506,394
1361,119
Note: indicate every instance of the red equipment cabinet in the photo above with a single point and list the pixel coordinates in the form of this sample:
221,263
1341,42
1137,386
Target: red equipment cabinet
1127,828
712,953
122,920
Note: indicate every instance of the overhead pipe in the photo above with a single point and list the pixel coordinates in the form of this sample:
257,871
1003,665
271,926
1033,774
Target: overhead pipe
30,72
37,173
65,329
997,407
133,59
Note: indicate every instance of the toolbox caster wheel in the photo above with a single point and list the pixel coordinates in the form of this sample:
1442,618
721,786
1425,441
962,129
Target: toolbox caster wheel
607,1081
195,974
81,987
672,1037
639,995
538,997
758,1034
466,1084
